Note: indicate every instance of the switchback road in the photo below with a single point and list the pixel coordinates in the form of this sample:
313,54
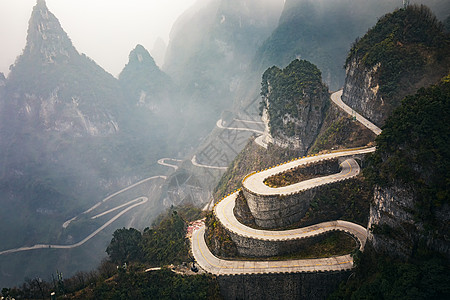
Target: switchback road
140,201
255,183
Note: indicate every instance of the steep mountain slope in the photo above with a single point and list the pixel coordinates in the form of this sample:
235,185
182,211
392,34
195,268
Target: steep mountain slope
68,138
212,43
322,32
295,102
405,50
411,171
407,254
144,83
57,103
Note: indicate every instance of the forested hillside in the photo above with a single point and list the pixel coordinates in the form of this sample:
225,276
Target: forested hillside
295,101
408,253
406,49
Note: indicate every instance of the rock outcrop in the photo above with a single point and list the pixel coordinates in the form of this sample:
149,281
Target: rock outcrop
53,88
145,84
393,60
294,105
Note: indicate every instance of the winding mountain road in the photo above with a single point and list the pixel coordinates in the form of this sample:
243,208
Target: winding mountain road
255,183
131,204
336,97
162,162
67,223
220,122
140,201
195,163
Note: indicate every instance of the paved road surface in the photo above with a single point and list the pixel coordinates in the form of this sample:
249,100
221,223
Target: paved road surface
219,124
260,141
255,182
224,212
141,200
207,261
336,98
162,162
195,163
67,223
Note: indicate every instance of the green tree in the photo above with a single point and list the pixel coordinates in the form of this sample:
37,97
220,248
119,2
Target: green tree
125,246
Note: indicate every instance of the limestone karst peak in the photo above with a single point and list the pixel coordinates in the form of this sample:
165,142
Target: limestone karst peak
46,37
41,3
141,55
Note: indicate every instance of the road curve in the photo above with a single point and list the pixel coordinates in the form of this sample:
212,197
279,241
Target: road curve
67,223
195,163
336,97
162,162
51,246
219,124
255,183
224,213
211,264
350,168
260,141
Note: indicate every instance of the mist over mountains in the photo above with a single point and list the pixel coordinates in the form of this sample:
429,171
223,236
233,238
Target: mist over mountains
71,133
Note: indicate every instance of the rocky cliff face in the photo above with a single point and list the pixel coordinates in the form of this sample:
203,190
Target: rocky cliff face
361,91
388,63
294,104
395,229
147,85
320,32
53,88
410,213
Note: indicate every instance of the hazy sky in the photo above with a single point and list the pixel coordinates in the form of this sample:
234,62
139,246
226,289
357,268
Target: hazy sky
105,30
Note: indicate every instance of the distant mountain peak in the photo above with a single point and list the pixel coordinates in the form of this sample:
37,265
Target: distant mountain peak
46,38
140,55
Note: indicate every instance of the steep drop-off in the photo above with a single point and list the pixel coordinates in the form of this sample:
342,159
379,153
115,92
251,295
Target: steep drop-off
411,174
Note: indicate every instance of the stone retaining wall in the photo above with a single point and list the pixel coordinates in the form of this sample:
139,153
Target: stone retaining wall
312,286
250,247
277,211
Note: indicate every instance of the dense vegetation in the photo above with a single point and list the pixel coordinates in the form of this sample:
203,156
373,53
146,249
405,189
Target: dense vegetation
414,149
303,173
162,244
403,44
218,239
342,133
162,284
288,92
379,277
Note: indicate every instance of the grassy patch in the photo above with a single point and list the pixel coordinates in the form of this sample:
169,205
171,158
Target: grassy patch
303,173
330,244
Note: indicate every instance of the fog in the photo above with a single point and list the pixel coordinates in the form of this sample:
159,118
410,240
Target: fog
105,30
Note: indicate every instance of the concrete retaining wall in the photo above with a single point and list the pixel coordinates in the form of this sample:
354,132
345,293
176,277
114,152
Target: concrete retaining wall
312,286
277,211
250,247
